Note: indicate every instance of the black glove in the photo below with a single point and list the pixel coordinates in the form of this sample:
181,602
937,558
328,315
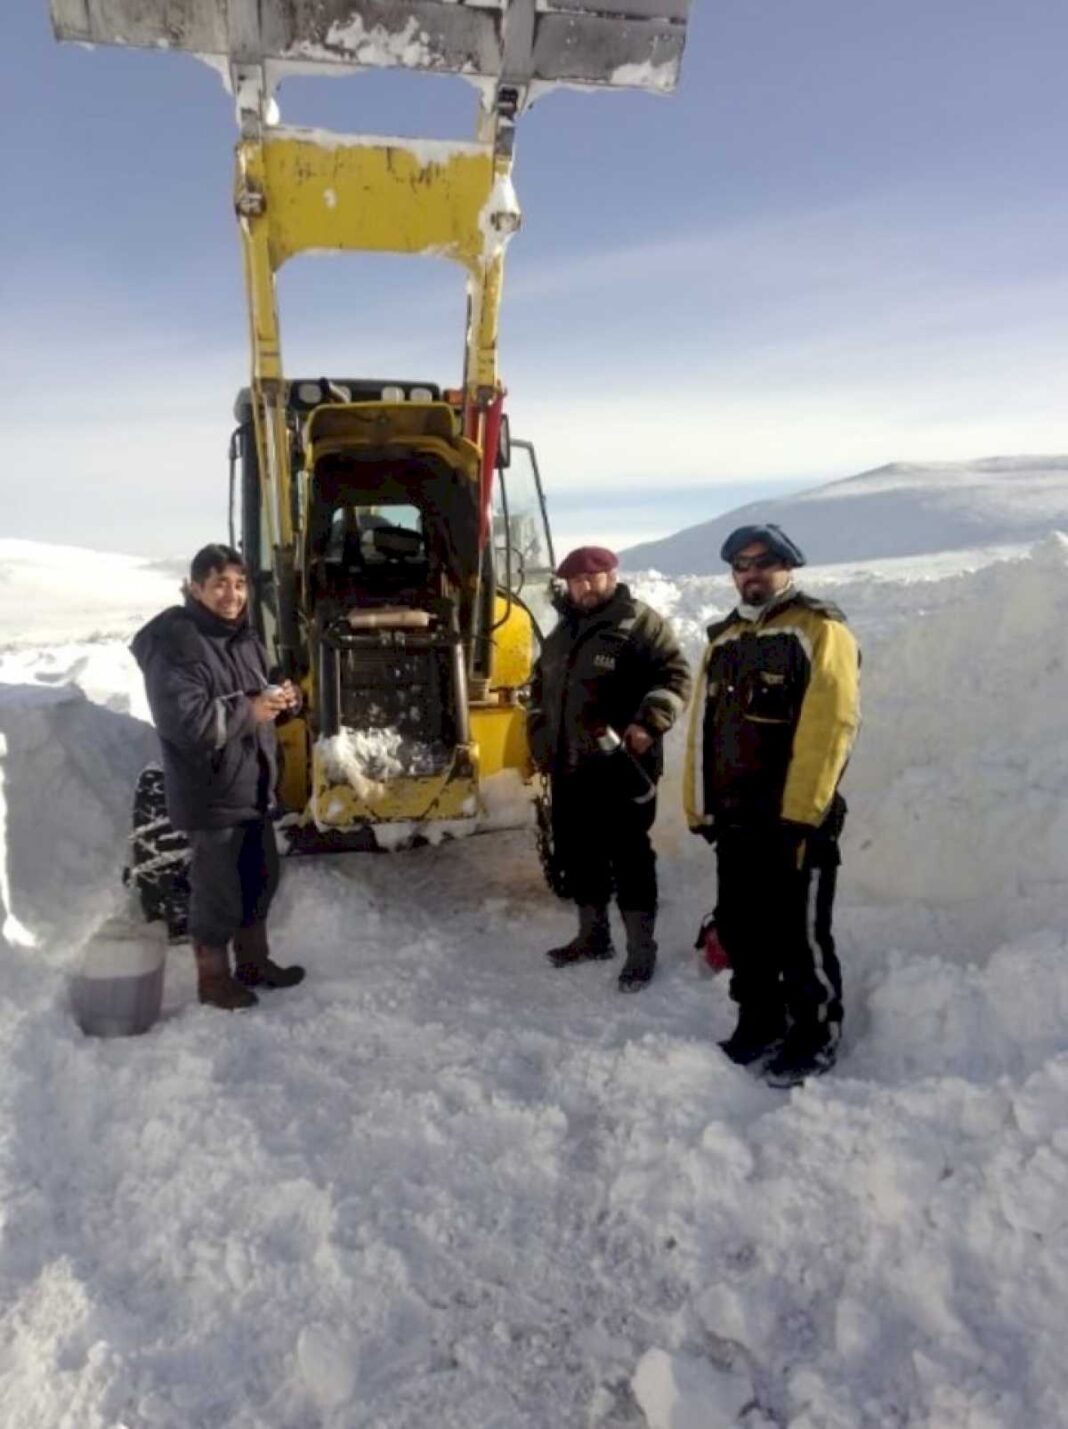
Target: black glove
706,832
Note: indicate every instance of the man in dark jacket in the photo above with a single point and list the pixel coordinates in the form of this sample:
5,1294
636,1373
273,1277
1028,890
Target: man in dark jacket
609,683
214,709
773,721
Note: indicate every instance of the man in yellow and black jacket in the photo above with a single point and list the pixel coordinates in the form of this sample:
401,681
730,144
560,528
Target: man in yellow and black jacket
772,724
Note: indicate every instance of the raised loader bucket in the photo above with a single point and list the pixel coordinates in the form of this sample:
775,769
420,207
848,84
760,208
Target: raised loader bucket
628,44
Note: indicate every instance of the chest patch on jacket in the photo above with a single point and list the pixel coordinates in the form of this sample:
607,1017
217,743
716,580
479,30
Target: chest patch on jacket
604,662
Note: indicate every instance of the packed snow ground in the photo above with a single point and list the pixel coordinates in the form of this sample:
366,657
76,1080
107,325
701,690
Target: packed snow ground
442,1183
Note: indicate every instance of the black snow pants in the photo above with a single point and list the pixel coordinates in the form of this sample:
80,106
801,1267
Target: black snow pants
233,878
774,920
602,838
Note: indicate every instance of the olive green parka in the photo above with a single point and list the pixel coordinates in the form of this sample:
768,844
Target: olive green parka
617,665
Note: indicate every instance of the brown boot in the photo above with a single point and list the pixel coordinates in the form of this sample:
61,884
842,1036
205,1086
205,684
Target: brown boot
254,965
215,986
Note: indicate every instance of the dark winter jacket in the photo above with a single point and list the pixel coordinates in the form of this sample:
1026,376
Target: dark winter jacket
774,717
220,767
617,665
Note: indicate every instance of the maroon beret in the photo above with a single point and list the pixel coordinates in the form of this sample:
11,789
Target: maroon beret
587,561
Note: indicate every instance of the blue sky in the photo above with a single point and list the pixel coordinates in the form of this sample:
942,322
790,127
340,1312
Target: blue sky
843,242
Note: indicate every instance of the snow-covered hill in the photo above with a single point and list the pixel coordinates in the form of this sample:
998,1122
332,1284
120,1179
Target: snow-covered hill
442,1183
60,594
898,510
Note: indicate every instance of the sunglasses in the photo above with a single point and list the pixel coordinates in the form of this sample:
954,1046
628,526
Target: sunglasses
766,562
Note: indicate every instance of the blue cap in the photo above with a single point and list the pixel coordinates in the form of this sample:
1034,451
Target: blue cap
773,537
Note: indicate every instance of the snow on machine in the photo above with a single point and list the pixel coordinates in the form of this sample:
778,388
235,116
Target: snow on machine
396,538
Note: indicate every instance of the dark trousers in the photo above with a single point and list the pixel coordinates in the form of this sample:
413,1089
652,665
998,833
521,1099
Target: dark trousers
602,839
233,878
774,920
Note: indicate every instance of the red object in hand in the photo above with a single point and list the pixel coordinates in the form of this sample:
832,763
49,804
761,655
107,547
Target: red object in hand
710,947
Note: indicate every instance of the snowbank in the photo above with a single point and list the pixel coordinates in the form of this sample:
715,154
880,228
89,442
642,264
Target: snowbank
960,781
68,772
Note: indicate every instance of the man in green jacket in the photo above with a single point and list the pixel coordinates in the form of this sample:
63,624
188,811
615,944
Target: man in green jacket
608,685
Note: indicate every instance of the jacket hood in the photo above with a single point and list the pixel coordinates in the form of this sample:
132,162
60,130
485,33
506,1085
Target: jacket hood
153,636
174,628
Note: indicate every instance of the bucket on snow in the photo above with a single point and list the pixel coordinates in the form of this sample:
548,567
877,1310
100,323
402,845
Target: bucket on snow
118,991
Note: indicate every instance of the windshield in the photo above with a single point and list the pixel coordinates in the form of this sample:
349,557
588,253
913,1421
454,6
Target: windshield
521,536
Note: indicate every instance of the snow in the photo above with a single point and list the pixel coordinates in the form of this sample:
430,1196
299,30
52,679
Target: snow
904,509
659,78
441,1183
64,593
366,757
372,46
424,151
499,218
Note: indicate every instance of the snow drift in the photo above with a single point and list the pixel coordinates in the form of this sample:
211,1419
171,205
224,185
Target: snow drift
960,781
900,510
68,769
444,1184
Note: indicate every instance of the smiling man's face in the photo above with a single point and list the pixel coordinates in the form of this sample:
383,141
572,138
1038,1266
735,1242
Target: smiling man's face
225,592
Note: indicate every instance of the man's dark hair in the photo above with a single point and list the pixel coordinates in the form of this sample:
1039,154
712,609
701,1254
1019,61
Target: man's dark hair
215,557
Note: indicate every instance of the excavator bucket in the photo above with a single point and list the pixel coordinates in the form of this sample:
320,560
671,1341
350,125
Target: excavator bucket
628,44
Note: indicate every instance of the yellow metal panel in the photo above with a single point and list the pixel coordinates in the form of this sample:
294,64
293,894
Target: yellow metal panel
501,732
375,195
295,751
408,797
431,428
513,647
383,421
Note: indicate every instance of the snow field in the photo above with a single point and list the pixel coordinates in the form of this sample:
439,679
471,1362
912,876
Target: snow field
442,1183
63,593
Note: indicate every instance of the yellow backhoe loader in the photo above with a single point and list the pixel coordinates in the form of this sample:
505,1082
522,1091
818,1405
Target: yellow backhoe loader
396,537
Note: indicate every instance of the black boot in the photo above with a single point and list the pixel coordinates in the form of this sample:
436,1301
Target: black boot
254,965
215,986
759,1034
641,950
594,940
805,1052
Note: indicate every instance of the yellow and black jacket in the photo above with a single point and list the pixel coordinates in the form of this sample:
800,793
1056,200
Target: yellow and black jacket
774,716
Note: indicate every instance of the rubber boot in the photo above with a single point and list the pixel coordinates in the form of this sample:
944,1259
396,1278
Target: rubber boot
215,986
805,1052
593,942
641,949
254,965
758,1035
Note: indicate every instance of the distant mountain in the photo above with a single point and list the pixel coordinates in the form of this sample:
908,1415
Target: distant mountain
899,510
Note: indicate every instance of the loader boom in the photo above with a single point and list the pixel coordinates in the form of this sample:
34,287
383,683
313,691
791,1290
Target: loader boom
373,537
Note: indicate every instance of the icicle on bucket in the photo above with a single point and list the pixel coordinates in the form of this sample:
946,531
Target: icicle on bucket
118,990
